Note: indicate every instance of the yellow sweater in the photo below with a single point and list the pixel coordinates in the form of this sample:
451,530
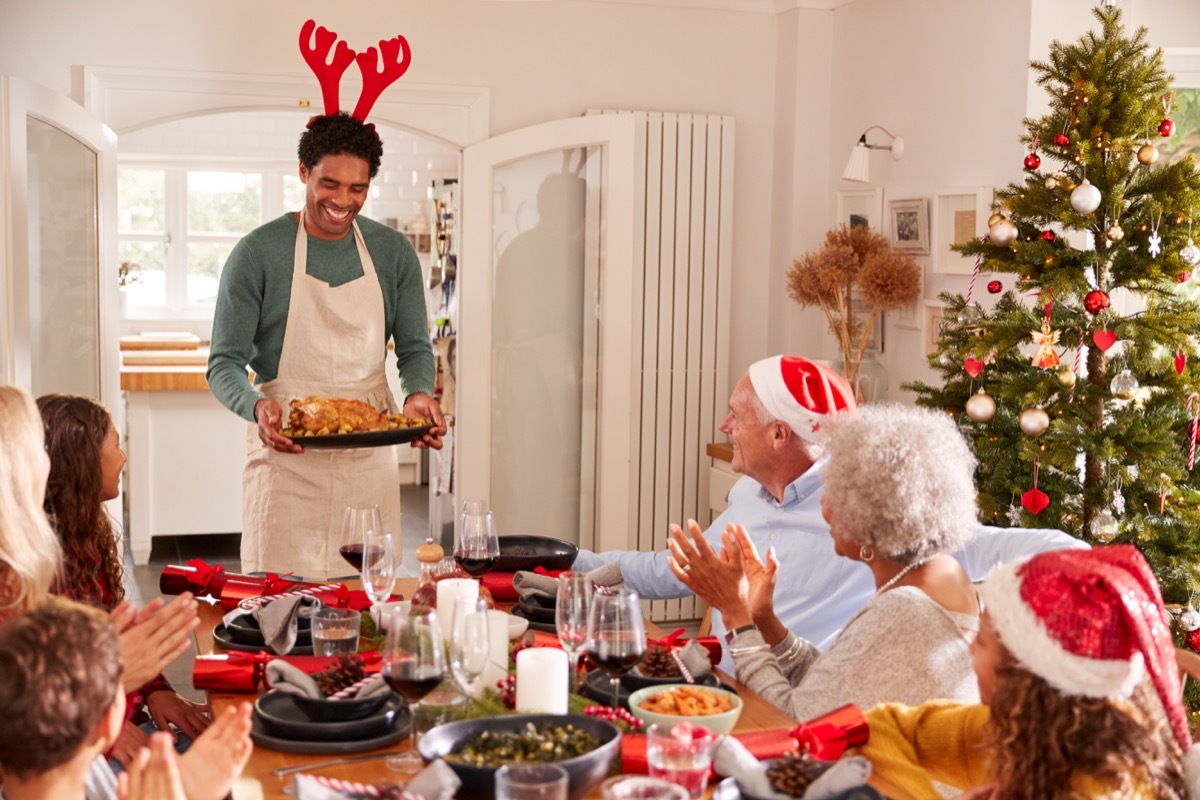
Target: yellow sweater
945,742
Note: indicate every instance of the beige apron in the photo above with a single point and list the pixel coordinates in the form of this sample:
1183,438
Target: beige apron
334,346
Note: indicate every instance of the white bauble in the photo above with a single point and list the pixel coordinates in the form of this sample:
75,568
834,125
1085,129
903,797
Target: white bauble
1085,198
981,407
1190,254
1124,386
1190,619
1034,421
1003,232
1105,527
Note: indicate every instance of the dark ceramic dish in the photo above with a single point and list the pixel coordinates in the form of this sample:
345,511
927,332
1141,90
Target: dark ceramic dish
583,772
281,717
525,552
322,709
245,630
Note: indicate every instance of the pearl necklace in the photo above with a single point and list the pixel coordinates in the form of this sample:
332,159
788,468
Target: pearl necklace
896,578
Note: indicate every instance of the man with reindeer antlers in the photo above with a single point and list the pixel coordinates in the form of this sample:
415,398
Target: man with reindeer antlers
308,302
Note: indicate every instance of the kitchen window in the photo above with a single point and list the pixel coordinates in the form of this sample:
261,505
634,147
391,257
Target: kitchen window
179,222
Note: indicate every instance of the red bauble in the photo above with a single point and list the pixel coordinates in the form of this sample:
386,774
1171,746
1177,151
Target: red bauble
994,287
1048,236
1035,501
1193,639
1166,128
1061,139
1032,162
1184,277
1096,301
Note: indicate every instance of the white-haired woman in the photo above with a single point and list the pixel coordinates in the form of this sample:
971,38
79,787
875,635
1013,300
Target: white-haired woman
899,498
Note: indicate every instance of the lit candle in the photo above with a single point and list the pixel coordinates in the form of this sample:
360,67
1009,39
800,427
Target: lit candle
542,680
451,591
497,666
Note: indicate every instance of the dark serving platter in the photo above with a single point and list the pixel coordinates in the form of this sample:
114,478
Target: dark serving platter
341,441
528,552
583,772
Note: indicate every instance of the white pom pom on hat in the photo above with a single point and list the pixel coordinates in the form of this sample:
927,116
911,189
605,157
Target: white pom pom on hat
802,393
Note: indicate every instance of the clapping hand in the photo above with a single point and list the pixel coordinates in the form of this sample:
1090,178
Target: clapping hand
759,576
717,578
153,773
153,638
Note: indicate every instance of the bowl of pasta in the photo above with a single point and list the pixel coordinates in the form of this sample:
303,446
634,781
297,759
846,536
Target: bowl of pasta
708,706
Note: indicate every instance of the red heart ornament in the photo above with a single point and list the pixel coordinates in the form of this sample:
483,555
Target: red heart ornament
1035,500
1104,340
1180,363
973,367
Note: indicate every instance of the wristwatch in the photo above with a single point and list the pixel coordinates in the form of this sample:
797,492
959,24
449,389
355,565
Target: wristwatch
730,634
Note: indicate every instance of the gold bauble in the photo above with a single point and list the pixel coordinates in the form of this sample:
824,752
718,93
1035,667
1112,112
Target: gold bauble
1115,233
1147,154
1034,421
1052,183
994,218
1066,376
981,407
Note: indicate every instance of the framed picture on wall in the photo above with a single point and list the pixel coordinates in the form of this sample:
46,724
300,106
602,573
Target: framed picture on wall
860,207
910,225
960,215
935,314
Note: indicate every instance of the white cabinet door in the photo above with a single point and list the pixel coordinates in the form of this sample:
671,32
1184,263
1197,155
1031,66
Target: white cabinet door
544,376
58,293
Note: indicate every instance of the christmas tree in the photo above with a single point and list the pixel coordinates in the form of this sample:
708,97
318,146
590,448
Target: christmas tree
1077,386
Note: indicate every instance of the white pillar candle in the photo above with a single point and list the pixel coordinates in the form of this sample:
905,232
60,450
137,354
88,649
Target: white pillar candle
542,681
497,666
450,592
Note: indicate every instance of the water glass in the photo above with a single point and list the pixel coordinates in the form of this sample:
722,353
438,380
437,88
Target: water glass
681,754
639,787
379,566
335,631
531,782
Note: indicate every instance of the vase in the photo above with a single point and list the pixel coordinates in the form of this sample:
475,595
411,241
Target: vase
869,377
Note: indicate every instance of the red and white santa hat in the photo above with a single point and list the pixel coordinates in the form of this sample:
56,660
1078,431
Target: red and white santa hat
1090,623
802,393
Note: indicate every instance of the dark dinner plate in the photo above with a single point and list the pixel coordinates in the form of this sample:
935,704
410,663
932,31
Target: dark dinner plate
245,629
223,638
341,441
281,717
526,552
261,738
535,611
536,624
598,686
732,789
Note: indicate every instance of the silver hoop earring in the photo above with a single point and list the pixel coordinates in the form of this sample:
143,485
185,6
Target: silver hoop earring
866,553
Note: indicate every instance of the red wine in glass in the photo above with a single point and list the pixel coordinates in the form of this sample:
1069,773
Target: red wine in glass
475,564
358,554
614,663
414,684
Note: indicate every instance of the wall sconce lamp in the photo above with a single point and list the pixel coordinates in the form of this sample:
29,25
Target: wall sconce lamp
859,166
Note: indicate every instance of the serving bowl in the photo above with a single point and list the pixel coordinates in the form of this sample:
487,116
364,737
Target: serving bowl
717,723
583,772
528,552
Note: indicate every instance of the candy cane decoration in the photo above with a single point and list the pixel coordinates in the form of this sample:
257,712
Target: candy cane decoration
251,603
974,275
1078,353
355,688
339,785
1193,429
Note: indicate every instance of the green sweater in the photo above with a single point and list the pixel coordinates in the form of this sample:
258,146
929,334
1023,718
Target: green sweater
256,290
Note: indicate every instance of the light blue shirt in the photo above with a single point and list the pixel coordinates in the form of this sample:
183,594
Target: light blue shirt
817,590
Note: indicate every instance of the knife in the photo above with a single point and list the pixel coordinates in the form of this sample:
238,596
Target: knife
281,771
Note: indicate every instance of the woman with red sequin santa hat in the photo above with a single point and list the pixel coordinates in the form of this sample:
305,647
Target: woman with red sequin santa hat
1080,690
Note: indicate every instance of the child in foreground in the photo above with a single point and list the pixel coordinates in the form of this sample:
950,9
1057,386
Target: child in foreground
1080,691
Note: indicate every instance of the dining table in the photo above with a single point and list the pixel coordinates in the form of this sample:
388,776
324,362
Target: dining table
259,783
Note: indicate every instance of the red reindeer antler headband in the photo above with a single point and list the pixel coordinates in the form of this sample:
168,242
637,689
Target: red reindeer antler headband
396,59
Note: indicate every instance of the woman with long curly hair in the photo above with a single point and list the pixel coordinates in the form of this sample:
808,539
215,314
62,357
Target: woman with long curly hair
1080,690
86,460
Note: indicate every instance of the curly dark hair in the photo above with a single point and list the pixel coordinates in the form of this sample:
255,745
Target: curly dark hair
75,431
60,671
340,134
1044,740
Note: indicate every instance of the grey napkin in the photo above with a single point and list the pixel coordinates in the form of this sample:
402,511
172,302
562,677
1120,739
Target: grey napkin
731,758
280,618
695,658
436,782
287,678
531,583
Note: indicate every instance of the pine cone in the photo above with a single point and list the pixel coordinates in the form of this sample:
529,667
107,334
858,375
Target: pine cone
793,772
346,672
658,663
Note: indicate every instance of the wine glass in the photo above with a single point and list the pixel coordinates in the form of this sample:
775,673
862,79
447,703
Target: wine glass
571,616
469,644
616,638
356,521
413,664
378,566
478,548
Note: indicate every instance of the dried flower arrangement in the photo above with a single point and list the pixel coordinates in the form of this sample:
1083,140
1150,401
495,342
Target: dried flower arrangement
128,273
854,265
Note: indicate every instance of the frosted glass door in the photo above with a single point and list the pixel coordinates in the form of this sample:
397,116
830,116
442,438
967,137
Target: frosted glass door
58,299
543,372
64,292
